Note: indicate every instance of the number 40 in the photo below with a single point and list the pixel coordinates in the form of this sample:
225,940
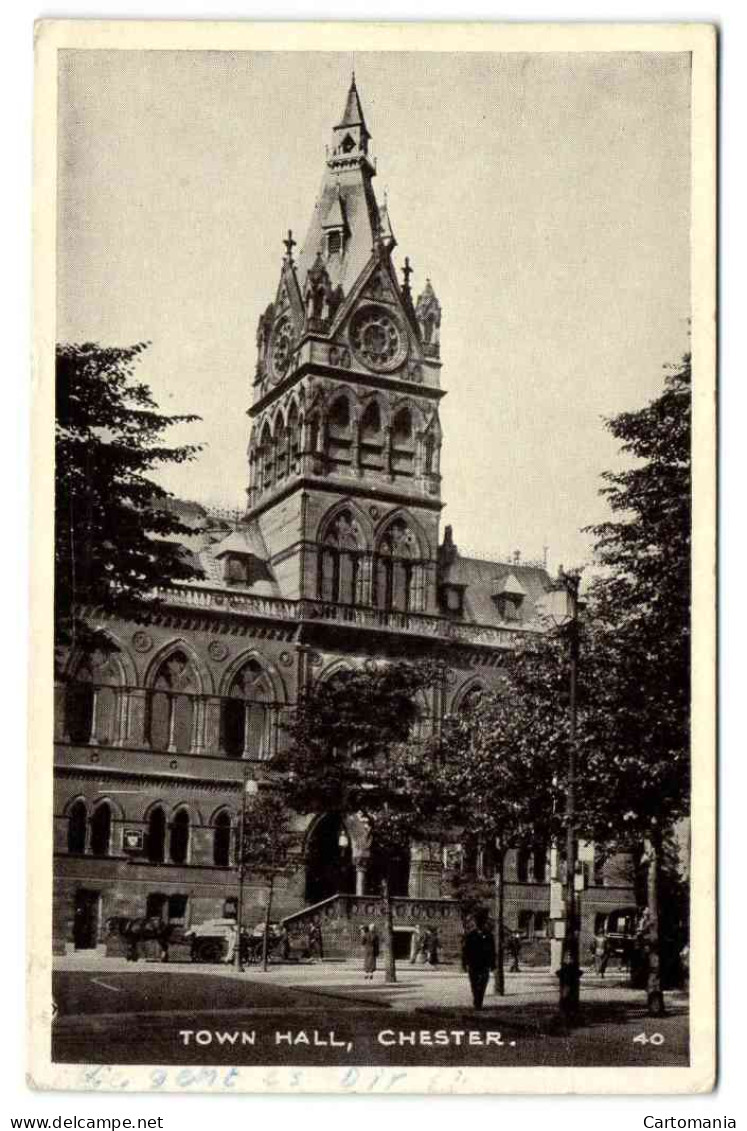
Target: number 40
644,1039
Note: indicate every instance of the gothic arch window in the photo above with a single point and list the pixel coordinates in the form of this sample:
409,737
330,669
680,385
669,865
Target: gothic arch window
266,462
314,434
403,442
523,857
248,714
429,453
372,437
539,864
155,836
531,864
101,829
469,698
92,697
400,574
172,704
294,439
280,448
342,561
402,427
371,423
76,827
222,839
340,430
179,837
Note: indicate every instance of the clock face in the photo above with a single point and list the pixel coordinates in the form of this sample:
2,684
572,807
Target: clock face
377,338
280,349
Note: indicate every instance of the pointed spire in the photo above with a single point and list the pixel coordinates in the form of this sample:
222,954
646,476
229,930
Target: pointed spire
352,115
385,232
350,135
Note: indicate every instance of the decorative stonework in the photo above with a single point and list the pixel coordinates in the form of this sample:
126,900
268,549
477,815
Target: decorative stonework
371,666
315,659
374,511
141,641
218,650
378,339
286,659
339,355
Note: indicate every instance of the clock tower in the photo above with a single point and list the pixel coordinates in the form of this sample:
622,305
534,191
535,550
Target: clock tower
344,481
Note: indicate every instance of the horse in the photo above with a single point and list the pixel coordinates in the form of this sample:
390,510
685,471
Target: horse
135,930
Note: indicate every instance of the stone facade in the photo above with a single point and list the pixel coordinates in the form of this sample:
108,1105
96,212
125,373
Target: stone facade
337,561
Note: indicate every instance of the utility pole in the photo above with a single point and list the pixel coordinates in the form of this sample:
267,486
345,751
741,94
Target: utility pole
248,785
570,973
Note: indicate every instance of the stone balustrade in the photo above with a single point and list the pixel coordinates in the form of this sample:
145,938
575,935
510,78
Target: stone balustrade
358,616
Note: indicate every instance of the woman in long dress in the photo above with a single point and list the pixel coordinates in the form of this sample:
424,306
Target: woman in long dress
370,943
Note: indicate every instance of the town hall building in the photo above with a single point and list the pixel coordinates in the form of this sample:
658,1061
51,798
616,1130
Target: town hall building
338,560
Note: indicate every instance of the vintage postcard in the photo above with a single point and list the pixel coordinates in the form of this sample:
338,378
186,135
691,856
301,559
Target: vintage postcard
372,721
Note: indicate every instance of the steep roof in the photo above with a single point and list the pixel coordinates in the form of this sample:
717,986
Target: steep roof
352,115
246,541
484,580
352,192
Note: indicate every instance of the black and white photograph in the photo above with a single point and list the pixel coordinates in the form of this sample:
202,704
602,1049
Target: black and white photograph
375,738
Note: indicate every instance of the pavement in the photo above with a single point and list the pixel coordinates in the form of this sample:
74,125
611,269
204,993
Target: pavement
417,987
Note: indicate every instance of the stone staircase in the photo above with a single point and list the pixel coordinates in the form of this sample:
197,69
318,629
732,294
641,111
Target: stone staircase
340,918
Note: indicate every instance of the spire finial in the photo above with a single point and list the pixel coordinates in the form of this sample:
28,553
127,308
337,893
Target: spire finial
289,244
407,271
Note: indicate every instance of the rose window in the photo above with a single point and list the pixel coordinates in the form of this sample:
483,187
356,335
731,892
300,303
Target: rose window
377,338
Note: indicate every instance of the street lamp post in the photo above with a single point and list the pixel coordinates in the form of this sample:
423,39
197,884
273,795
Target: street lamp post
569,975
248,786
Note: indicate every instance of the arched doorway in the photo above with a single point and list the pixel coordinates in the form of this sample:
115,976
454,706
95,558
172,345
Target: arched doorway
329,864
395,864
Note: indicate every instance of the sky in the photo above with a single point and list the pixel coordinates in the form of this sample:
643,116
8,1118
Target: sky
546,196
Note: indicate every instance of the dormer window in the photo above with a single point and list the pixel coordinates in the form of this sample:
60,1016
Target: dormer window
334,242
452,599
510,595
237,569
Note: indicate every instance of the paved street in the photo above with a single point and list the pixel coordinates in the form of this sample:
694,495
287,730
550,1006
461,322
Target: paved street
109,1011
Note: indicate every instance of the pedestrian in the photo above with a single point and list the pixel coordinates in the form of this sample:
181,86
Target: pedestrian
514,950
433,946
415,945
478,957
316,945
602,951
370,943
284,943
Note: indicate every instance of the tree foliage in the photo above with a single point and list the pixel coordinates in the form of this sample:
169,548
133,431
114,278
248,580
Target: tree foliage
350,748
267,839
115,538
639,613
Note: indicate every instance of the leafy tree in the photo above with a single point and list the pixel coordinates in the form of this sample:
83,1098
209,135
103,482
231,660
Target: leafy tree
640,607
115,538
502,765
265,844
350,752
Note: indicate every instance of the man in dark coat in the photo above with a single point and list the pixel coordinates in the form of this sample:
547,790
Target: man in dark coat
478,957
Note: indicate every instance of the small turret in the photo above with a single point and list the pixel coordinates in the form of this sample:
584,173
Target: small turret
428,314
350,136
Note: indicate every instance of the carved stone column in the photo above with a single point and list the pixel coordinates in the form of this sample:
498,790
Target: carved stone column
138,717
212,724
